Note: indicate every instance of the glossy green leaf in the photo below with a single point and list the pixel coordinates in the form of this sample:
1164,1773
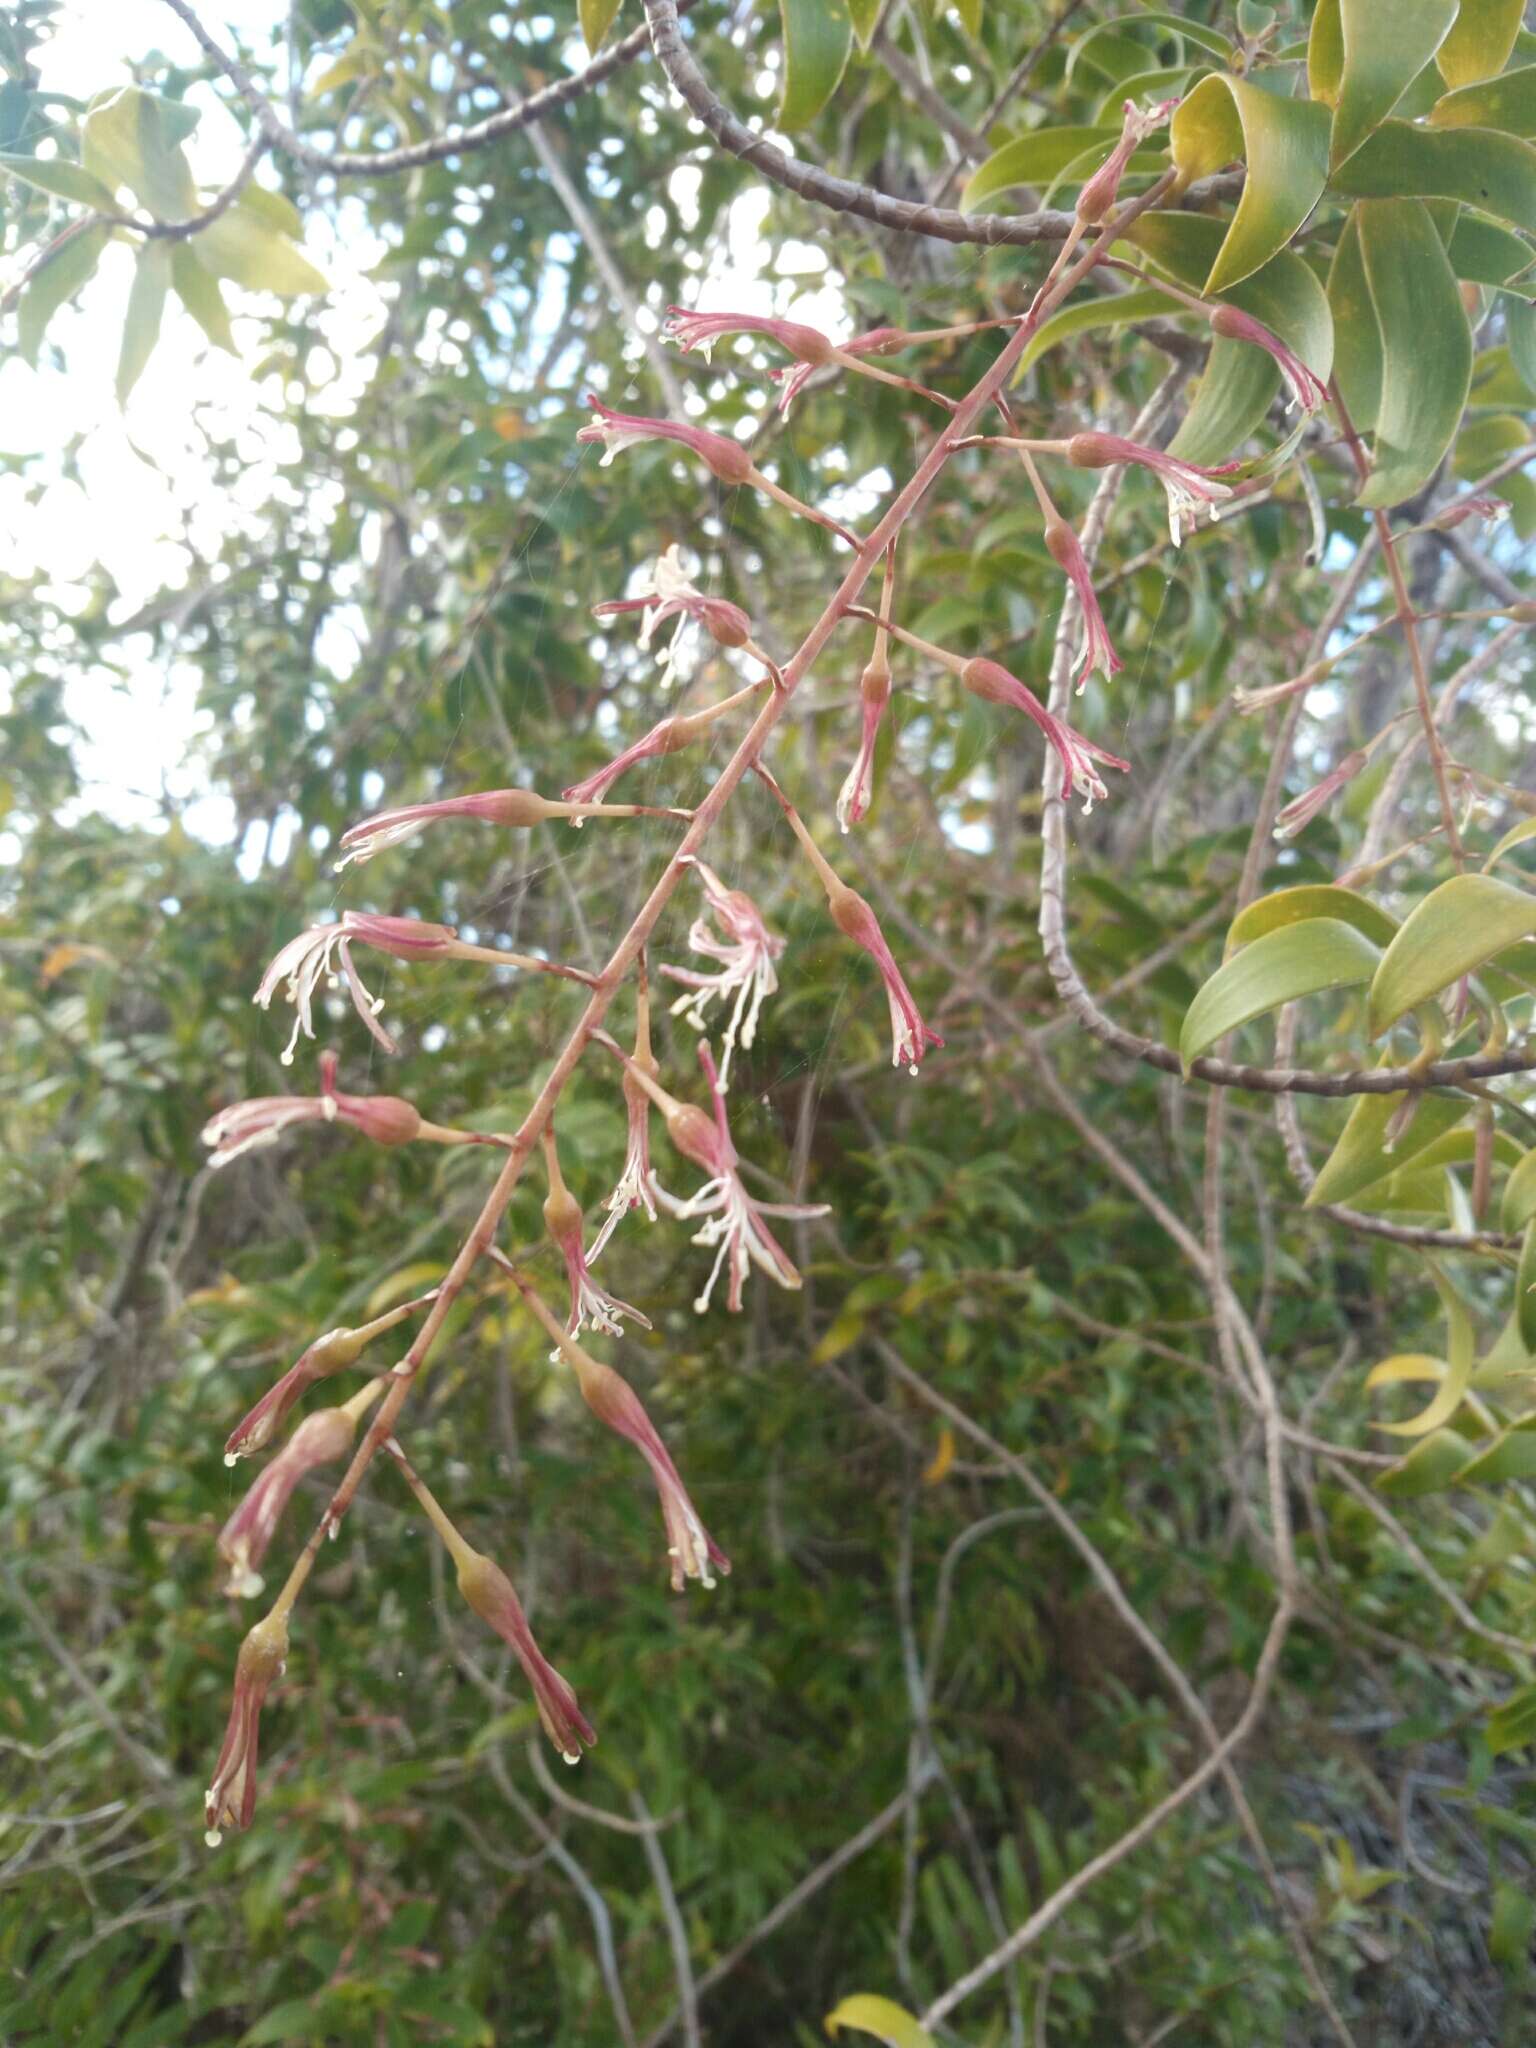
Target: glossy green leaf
1325,52
1484,254
1284,144
596,18
1426,347
1467,920
1480,41
71,266
61,178
244,247
1360,1159
1429,1467
201,296
1086,314
141,322
1041,155
1507,103
132,137
1312,899
1298,960
1384,50
1357,362
1496,173
818,35
867,2014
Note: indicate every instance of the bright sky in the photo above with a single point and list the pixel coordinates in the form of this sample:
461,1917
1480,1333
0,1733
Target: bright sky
145,488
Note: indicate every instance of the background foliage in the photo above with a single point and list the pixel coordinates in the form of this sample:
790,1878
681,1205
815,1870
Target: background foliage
406,615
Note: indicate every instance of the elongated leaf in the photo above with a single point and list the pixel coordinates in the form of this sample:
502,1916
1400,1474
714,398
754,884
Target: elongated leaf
1384,49
866,19
64,180
1429,1467
1485,441
818,35
1484,254
1519,1203
72,265
1481,40
1196,32
132,137
1496,173
1426,347
1511,1455
867,2014
243,247
1357,361
1044,154
596,18
1507,102
1325,52
1517,835
1312,899
201,296
1285,146
1467,920
1520,326
1086,314
1455,1379
1297,960
1360,1158
1525,1289
141,322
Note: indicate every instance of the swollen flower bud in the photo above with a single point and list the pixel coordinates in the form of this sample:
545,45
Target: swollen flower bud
230,1800
728,460
1066,550
494,1598
320,1439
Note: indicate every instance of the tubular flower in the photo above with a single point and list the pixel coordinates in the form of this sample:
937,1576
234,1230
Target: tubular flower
494,1598
746,950
1303,809
1305,389
723,458
307,961
853,799
633,1189
1101,190
230,1801
1190,490
245,1126
910,1036
1097,652
702,330
877,341
734,1219
666,592
332,1353
519,808
566,1225
669,737
989,679
320,1439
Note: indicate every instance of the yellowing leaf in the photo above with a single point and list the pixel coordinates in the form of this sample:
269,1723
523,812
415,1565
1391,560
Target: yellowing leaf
596,17
61,958
1507,102
1285,146
247,249
400,1286
1384,50
841,1335
1480,41
868,2014
938,1466
132,137
1454,1373
1466,921
60,178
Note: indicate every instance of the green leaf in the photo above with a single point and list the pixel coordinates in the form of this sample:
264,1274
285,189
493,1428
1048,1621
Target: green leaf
1312,899
1510,1927
73,264
294,2020
1457,1376
818,36
1360,1157
1285,146
1467,920
1357,362
596,18
1041,155
1480,43
244,247
1520,326
1428,1468
201,296
866,19
1507,103
1525,1289
1298,960
1496,173
1108,311
1482,443
1325,52
64,180
1517,835
1511,1455
1513,1724
1426,347
141,322
1484,254
1384,50
132,137
890,2023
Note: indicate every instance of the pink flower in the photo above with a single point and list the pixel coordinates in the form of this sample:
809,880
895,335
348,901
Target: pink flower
566,1225
1303,809
1468,508
230,1800
494,1598
332,1353
725,459
746,950
387,1119
306,962
910,1036
633,1189
690,1546
320,1439
853,798
1099,194
734,1219
518,808
1097,652
989,679
878,341
1306,391
666,593
1190,490
703,330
